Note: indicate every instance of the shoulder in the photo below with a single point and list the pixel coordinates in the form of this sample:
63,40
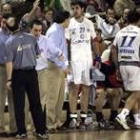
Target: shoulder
137,29
53,31
72,22
9,40
87,20
29,36
53,28
45,39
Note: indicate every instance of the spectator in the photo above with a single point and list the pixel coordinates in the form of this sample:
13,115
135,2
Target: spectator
6,8
93,7
48,17
35,13
123,21
66,5
120,5
109,25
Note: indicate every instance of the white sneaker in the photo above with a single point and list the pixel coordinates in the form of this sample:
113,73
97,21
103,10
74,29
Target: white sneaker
137,125
41,136
73,124
122,122
21,136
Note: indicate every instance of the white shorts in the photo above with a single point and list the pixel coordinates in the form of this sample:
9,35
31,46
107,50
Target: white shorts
131,77
81,73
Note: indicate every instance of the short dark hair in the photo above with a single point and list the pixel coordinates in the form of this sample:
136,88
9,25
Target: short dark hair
35,22
48,10
80,3
133,16
16,23
61,16
110,8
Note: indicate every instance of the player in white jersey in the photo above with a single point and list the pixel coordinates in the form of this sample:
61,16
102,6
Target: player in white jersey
127,44
80,34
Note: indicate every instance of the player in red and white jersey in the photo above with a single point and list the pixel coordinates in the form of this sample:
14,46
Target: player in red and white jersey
80,33
127,55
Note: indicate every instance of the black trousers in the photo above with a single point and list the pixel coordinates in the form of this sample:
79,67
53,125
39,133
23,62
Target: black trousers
26,81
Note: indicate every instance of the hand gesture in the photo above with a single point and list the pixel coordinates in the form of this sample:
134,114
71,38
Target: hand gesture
8,85
36,4
61,57
67,70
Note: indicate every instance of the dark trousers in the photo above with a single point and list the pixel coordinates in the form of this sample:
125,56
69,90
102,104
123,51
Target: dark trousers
26,81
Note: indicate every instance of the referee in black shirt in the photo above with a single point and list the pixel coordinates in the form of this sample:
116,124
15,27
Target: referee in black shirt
21,53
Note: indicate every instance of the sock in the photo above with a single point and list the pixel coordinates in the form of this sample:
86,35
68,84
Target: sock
73,116
124,113
136,118
83,116
99,116
113,115
131,116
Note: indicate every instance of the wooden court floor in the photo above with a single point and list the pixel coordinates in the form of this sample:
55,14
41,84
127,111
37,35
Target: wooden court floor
94,135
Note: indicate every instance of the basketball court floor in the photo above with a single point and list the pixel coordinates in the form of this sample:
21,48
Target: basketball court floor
92,135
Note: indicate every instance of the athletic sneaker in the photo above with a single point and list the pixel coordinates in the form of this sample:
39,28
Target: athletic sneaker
136,125
102,124
21,136
122,122
73,123
41,136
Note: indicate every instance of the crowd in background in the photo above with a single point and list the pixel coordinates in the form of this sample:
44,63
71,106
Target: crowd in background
108,17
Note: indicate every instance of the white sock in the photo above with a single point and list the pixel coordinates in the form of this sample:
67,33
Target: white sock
137,119
124,113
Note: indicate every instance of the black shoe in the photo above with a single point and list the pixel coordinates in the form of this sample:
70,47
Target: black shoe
21,136
111,125
3,134
102,124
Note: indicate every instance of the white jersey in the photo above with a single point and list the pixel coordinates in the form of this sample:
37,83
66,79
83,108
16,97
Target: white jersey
128,42
80,35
